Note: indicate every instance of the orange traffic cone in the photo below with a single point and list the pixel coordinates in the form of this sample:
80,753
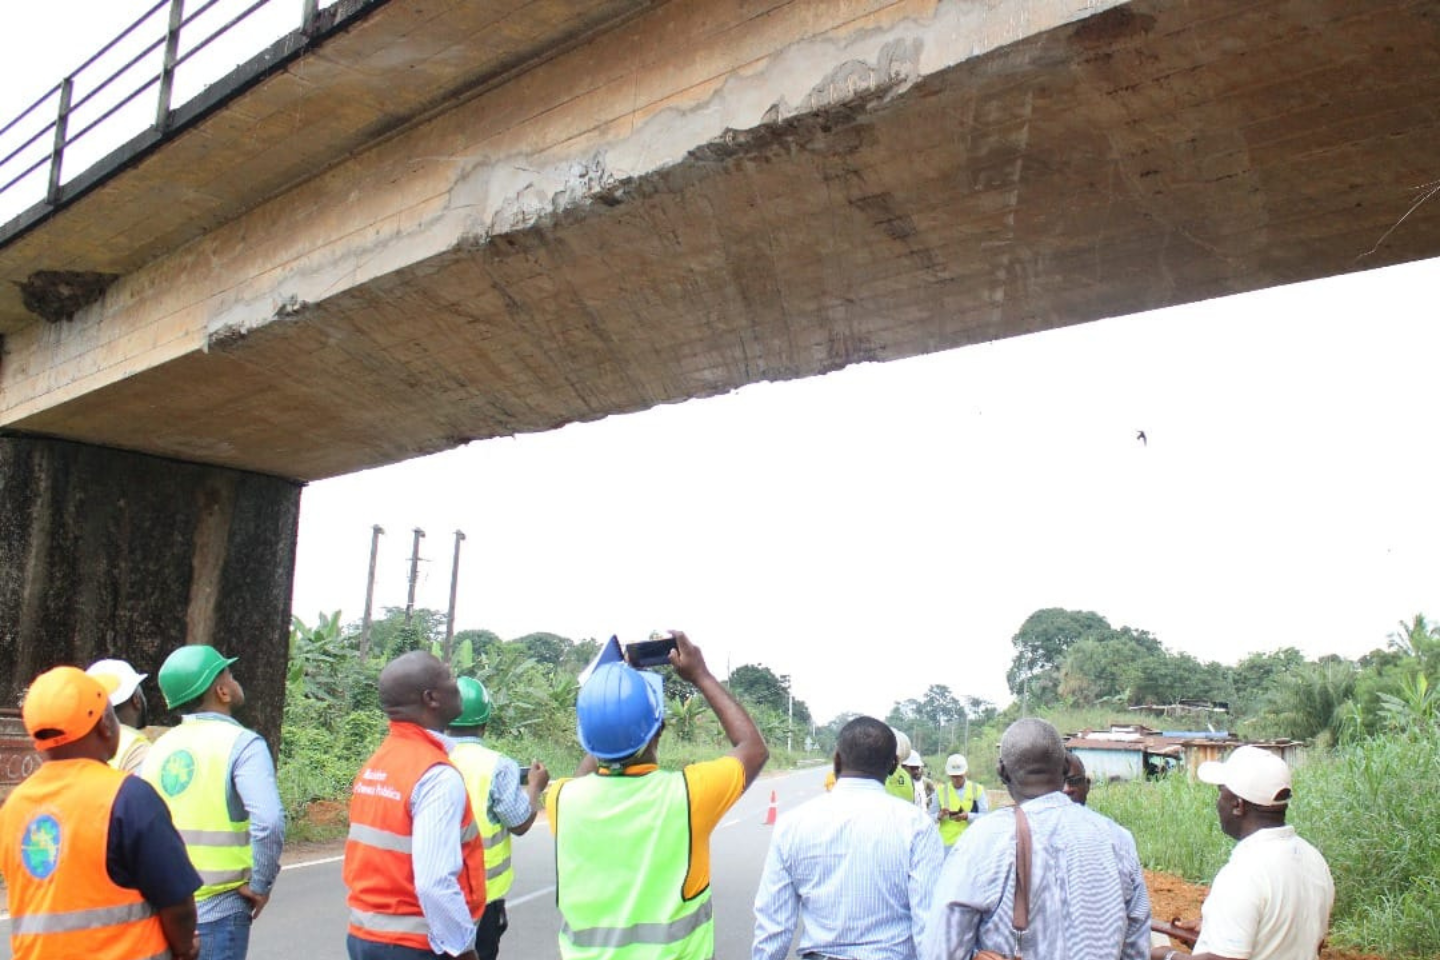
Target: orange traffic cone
770,814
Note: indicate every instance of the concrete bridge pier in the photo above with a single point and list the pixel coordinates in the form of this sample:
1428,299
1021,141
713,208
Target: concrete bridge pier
106,553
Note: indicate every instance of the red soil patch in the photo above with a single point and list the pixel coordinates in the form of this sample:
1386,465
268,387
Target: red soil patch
1172,897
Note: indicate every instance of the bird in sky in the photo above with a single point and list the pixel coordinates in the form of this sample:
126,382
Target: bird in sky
1140,435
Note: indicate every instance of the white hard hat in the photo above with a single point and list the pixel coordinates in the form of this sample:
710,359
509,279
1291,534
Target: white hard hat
913,760
122,672
902,745
956,765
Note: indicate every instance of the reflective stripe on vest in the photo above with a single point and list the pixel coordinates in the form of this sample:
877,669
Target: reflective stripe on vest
614,938
476,763
54,842
622,855
80,919
190,769
378,871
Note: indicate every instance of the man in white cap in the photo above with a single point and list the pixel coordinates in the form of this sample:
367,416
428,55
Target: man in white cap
129,703
925,797
1272,899
962,801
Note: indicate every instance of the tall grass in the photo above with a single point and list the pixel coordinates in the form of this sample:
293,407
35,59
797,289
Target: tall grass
1373,810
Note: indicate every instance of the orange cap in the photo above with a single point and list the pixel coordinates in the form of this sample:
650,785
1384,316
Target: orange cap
64,704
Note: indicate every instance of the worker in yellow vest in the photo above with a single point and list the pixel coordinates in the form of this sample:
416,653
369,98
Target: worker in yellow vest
130,706
92,863
962,801
898,784
219,781
632,841
504,803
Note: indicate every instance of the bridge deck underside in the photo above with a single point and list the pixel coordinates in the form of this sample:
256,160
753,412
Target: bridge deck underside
1158,154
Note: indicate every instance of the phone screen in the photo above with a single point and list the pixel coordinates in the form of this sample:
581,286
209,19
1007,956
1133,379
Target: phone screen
649,653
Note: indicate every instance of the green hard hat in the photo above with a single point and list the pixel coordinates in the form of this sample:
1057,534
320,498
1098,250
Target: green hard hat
188,672
474,703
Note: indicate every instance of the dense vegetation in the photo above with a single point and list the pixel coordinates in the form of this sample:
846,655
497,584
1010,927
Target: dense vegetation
1368,796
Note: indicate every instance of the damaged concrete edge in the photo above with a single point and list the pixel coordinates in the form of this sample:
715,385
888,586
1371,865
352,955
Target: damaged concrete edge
493,196
57,295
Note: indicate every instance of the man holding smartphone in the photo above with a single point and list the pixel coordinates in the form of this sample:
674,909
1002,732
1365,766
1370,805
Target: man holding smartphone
504,801
632,841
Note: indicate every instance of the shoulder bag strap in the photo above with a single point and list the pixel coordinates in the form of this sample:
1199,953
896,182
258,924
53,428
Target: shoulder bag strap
1022,875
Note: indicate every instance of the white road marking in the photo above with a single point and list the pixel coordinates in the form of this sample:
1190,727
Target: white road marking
543,891
311,863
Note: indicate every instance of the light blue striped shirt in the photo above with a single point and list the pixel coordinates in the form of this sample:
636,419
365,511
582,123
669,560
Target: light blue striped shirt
857,867
251,792
437,804
1087,898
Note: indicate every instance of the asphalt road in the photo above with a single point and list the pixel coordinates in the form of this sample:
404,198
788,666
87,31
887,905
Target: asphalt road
306,917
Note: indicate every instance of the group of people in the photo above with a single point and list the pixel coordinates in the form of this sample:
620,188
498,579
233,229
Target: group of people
178,859
860,876
120,847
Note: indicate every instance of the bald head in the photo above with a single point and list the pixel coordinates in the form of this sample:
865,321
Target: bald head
1032,759
415,687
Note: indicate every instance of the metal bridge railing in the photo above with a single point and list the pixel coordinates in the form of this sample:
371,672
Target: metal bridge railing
89,113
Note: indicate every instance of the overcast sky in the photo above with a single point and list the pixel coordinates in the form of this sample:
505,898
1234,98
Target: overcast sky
890,526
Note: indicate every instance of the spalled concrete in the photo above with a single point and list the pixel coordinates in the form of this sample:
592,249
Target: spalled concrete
708,194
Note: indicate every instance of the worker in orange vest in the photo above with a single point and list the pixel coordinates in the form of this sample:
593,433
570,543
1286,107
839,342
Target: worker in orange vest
414,859
92,863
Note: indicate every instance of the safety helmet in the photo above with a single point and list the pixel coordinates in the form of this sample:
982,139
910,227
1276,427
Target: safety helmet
956,765
619,709
188,672
902,745
913,760
474,703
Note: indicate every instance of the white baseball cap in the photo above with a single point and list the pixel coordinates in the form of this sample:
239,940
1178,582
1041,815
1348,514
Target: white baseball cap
1252,774
956,765
122,672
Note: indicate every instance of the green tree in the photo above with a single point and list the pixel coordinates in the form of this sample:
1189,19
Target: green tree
1041,644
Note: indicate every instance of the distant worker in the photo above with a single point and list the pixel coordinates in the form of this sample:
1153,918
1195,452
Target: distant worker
962,801
504,803
130,709
1077,784
414,859
632,841
851,869
898,784
926,796
92,863
1087,897
219,780
1272,899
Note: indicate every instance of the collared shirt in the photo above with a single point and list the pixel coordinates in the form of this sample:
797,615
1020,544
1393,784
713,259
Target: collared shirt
437,804
1087,898
250,792
508,804
857,867
1271,900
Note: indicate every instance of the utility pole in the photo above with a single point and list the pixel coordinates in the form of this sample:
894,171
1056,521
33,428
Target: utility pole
454,585
414,575
375,533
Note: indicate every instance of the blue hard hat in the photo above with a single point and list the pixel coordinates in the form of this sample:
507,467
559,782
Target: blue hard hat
619,709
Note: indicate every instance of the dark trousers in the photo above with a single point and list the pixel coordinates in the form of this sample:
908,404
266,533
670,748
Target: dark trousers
492,926
370,950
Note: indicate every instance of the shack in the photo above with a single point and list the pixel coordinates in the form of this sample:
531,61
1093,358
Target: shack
1131,751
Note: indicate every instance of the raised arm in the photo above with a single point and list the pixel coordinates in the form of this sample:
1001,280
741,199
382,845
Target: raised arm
749,745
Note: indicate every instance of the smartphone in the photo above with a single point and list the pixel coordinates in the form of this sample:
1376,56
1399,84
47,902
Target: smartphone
524,776
649,653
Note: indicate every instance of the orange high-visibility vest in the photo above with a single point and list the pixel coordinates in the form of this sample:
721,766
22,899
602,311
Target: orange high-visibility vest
378,869
54,834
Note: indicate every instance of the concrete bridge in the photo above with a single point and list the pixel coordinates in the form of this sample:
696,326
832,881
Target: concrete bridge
414,226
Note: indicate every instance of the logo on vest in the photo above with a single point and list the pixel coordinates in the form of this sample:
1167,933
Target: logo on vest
40,846
177,772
